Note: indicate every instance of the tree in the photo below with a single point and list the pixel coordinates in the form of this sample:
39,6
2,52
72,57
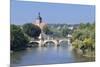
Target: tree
65,31
31,30
88,42
18,40
47,30
84,37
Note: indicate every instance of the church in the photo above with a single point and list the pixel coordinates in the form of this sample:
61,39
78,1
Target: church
39,22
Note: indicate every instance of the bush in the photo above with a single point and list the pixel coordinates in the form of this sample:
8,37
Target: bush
18,41
31,30
84,37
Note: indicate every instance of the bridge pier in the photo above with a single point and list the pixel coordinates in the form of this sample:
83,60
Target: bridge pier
57,43
40,43
69,41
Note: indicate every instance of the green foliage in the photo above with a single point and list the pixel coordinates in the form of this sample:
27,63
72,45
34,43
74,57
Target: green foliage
31,30
18,40
84,37
47,30
88,41
57,30
75,44
65,32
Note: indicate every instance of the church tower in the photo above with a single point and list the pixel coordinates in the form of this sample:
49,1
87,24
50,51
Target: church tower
39,22
39,19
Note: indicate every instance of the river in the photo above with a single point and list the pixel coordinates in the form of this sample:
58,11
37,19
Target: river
47,55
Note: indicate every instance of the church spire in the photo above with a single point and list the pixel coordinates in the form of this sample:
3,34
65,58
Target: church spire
39,18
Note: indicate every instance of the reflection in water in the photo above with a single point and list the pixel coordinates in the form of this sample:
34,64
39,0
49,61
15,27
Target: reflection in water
47,55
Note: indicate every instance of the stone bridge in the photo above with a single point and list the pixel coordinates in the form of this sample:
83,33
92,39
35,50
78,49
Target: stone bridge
55,41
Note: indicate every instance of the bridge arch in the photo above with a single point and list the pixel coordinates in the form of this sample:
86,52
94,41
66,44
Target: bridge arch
60,41
34,43
52,41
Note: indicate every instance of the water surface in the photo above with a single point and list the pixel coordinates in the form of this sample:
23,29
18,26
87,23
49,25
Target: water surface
47,55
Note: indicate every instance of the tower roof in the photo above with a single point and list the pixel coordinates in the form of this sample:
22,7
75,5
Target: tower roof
39,18
39,22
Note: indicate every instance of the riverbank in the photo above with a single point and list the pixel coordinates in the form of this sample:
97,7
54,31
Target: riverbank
86,54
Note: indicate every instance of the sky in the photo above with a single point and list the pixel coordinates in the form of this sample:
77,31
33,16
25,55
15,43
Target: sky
52,13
